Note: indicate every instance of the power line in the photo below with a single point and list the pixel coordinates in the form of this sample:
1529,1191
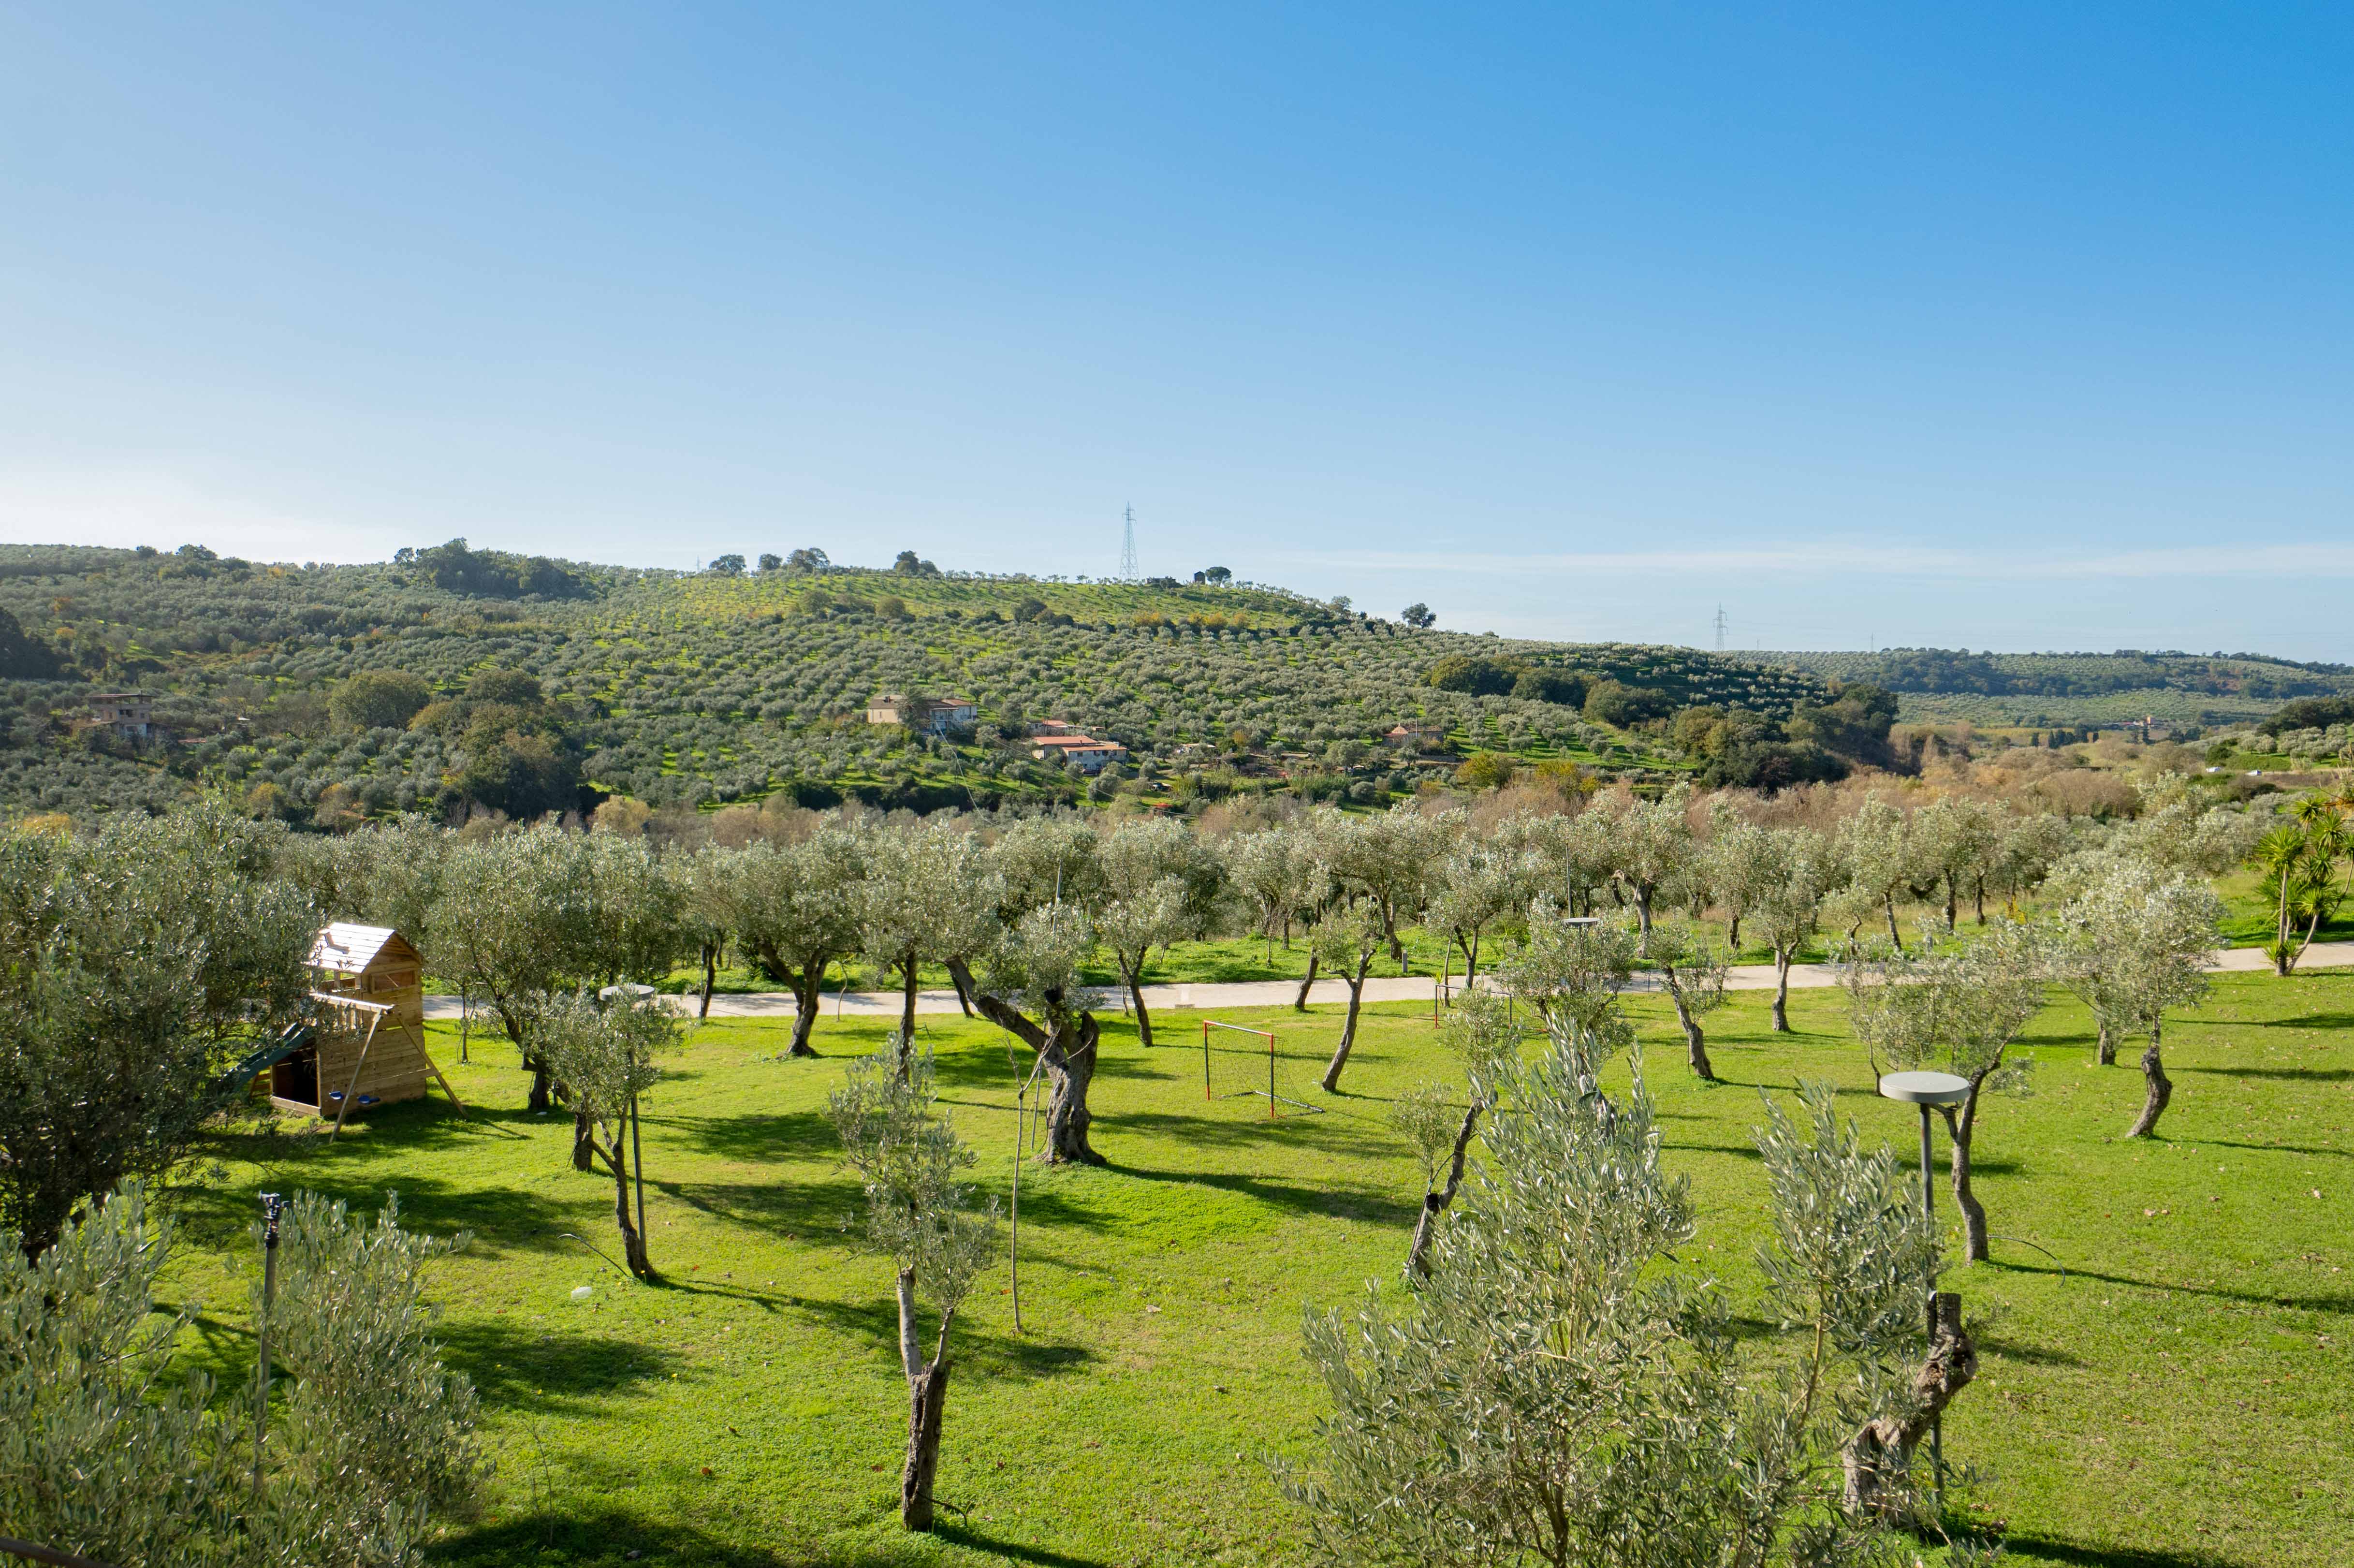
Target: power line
1128,571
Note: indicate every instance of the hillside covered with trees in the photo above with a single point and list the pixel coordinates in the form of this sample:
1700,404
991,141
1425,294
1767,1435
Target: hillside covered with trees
2078,689
331,694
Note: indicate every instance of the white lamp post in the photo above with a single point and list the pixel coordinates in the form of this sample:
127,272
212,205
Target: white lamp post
1925,1090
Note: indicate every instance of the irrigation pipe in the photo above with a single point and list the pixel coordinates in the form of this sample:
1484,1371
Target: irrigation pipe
617,1268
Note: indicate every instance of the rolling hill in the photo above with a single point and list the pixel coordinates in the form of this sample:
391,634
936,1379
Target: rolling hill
698,688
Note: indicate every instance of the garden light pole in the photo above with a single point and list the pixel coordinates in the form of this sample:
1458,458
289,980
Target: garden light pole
272,1206
1927,1090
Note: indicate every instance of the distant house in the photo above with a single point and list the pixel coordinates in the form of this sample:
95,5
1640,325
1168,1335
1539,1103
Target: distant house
1077,751
930,716
1421,736
126,715
1053,727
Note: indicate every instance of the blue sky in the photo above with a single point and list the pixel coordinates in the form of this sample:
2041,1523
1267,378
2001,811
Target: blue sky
1996,327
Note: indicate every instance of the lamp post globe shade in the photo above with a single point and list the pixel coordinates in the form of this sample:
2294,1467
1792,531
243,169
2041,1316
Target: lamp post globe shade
1925,1089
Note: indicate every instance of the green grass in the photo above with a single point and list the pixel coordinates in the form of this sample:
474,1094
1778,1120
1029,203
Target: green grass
2174,1398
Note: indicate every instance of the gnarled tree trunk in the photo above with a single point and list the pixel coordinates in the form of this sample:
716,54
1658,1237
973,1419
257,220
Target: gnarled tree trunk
1299,1002
805,1005
2108,1047
2160,1090
1879,1457
1781,993
1434,1201
710,977
1959,1129
1067,1049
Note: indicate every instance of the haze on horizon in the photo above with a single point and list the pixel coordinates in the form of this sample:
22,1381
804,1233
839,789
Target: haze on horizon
2002,329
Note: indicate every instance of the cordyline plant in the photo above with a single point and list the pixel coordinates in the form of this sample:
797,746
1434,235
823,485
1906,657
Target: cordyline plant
1560,1390
370,1449
919,1212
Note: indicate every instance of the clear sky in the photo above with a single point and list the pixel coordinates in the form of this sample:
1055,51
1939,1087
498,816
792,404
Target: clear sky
1998,325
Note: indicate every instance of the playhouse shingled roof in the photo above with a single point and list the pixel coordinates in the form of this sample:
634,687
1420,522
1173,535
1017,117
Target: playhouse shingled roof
348,949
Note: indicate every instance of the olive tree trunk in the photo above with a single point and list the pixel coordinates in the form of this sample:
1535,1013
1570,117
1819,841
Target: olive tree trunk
928,1398
1299,1002
806,997
1695,1043
1960,1128
2160,1090
1877,1459
2108,1048
1781,993
1132,976
1436,1201
906,1007
1066,1048
1331,1079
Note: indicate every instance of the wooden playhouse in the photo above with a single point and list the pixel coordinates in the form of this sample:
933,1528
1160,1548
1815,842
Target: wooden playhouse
367,1044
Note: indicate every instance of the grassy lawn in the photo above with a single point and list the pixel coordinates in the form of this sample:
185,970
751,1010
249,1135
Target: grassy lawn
2175,1397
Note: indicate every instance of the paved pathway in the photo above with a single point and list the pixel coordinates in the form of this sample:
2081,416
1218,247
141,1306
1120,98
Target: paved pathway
1279,993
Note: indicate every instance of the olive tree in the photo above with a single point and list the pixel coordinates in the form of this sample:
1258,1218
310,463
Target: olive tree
104,1454
1741,866
1348,939
1560,1389
1161,884
1480,884
1882,863
1789,908
1032,990
2134,942
1692,970
526,916
795,911
133,962
1486,1039
1954,1007
921,1213
928,897
608,1055
1650,846
1387,861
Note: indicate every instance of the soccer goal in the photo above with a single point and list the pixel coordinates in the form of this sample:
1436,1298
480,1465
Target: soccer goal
1270,1094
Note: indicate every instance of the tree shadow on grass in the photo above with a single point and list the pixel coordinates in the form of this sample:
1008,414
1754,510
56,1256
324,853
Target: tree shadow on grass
1341,1135
519,1366
976,1353
602,1536
2337,1304
2036,1548
1347,1202
1014,1551
2292,1074
500,1219
2274,1147
2035,1355
2308,1021
791,1134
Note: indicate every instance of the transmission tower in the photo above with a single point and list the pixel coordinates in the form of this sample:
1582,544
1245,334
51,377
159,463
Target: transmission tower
1128,572
1719,629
